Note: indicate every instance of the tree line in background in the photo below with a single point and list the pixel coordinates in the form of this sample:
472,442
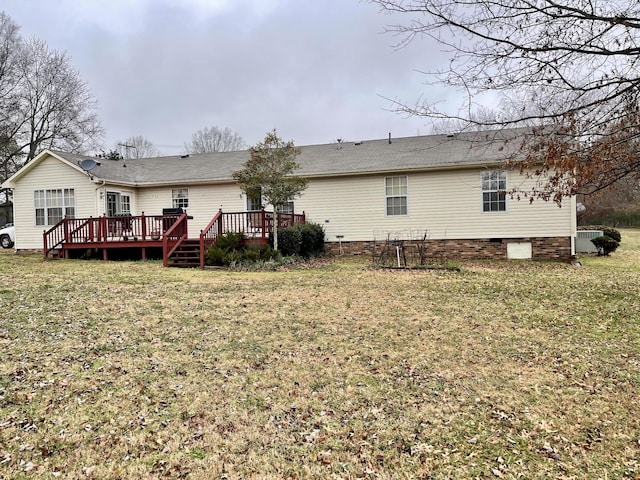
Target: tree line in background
208,140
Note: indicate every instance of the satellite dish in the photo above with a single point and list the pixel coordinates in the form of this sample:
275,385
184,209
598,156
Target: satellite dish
88,164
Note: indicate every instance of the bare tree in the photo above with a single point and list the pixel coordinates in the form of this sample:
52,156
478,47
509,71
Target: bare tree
10,52
43,101
57,110
214,139
136,147
577,62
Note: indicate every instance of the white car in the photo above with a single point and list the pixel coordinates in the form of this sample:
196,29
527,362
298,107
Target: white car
8,236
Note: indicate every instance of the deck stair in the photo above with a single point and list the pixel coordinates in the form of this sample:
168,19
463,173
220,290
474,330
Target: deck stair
186,255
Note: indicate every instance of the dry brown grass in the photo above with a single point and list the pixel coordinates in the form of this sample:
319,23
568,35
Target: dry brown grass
502,370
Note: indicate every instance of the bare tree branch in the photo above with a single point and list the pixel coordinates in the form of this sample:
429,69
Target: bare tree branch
574,67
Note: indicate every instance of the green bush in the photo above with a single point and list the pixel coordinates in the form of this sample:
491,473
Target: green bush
303,240
230,241
312,240
232,257
606,231
289,241
256,252
605,244
214,256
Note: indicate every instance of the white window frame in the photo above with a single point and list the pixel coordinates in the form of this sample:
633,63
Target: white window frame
180,198
47,202
287,208
396,191
122,202
493,184
254,204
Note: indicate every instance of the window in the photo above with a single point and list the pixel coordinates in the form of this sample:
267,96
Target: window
51,206
286,207
396,194
118,204
254,201
180,197
125,204
494,195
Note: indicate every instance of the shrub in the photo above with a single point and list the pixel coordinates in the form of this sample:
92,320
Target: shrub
312,240
606,231
303,240
232,257
289,241
214,256
605,244
230,241
254,253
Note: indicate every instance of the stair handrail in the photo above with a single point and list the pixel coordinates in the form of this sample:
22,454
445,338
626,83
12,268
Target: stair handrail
207,237
173,238
54,234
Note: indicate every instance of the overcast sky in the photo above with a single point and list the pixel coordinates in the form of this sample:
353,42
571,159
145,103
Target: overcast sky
316,70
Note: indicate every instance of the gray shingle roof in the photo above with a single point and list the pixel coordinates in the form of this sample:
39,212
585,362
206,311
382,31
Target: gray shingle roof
347,158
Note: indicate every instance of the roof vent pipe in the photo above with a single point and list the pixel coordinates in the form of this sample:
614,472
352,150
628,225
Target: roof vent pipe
389,138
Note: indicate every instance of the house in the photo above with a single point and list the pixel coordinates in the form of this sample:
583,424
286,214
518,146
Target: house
447,189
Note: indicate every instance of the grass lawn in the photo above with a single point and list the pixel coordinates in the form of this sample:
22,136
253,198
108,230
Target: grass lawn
127,370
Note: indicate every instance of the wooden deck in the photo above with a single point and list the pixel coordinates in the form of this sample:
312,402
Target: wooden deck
165,235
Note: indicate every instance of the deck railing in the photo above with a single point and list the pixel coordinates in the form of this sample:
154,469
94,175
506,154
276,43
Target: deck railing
106,229
101,232
173,237
254,225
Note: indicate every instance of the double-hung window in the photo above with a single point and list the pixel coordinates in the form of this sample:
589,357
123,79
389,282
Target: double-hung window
286,207
254,201
180,197
494,191
396,195
53,205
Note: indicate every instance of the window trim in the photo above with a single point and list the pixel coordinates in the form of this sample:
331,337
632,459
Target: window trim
254,199
177,201
496,190
405,196
67,197
119,198
287,208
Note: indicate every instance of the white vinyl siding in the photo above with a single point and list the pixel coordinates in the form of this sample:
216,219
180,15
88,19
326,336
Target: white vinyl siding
52,205
204,202
50,174
444,204
396,195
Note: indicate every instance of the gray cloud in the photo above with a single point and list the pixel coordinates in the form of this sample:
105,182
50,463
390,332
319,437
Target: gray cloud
314,70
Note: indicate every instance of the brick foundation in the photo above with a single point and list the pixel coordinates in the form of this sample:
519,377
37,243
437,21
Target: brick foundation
543,248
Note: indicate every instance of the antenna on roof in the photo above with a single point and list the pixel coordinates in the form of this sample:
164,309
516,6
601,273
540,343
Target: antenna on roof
126,150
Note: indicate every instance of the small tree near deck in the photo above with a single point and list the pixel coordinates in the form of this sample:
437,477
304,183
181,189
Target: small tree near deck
269,173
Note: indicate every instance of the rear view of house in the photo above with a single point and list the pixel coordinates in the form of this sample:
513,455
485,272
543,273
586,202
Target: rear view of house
450,190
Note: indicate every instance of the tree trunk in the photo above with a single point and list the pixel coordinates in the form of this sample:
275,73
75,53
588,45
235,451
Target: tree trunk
275,228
